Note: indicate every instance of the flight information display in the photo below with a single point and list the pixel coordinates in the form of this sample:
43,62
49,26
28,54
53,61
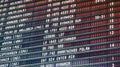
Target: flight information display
59,33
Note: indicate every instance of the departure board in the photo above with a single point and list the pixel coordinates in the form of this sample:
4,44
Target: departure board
59,33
